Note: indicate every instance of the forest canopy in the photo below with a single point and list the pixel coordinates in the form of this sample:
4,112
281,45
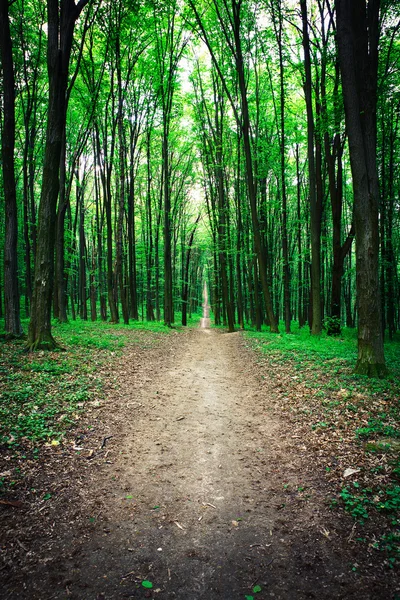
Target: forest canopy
149,146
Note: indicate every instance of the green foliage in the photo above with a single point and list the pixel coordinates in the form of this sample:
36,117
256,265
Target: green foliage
42,396
390,544
332,325
356,504
377,426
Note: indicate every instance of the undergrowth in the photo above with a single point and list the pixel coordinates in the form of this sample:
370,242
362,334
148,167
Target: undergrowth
347,411
42,394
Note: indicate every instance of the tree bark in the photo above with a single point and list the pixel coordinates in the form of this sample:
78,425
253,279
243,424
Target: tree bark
245,123
61,23
315,209
12,325
358,37
185,282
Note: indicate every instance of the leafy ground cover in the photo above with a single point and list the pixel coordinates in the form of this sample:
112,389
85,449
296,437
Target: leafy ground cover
44,394
351,421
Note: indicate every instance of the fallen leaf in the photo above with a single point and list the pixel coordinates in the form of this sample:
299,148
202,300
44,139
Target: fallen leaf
349,471
235,523
147,584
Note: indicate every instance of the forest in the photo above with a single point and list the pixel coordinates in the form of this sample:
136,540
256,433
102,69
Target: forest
150,146
199,299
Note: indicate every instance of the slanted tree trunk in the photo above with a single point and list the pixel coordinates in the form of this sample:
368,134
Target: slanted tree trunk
358,37
13,327
245,122
61,22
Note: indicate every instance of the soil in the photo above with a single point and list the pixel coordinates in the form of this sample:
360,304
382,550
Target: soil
185,477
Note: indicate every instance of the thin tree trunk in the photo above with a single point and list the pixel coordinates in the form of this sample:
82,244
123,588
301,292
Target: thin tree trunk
249,168
315,209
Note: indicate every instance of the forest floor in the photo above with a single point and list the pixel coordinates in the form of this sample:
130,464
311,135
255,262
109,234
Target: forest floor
185,478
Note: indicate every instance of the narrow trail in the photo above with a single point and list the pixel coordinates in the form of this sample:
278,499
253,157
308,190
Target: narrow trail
201,494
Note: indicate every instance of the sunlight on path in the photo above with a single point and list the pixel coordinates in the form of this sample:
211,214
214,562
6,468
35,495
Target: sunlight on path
205,320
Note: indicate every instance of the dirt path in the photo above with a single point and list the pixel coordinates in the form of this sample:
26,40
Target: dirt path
199,492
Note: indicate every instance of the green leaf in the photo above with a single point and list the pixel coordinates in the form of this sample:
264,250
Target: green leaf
256,589
129,497
47,497
249,597
147,584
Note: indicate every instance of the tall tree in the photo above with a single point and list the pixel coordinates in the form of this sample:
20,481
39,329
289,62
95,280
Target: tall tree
170,44
358,40
13,327
315,207
62,16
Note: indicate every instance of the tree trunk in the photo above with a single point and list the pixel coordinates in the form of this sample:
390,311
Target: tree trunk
358,37
315,209
12,325
185,283
61,23
249,168
168,308
133,304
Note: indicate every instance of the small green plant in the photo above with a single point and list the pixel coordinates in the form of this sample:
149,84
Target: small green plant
355,504
390,544
377,426
333,326
319,425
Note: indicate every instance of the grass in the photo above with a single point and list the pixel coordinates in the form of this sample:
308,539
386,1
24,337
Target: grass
339,406
43,394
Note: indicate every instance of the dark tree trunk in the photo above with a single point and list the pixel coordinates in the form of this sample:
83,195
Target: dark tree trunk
12,325
82,283
339,250
106,179
315,208
185,283
121,200
222,210
239,248
60,238
358,37
168,297
61,23
245,123
99,234
278,25
149,245
391,263
300,279
133,304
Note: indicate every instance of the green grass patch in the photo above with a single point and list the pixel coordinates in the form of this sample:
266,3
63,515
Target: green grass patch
43,394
